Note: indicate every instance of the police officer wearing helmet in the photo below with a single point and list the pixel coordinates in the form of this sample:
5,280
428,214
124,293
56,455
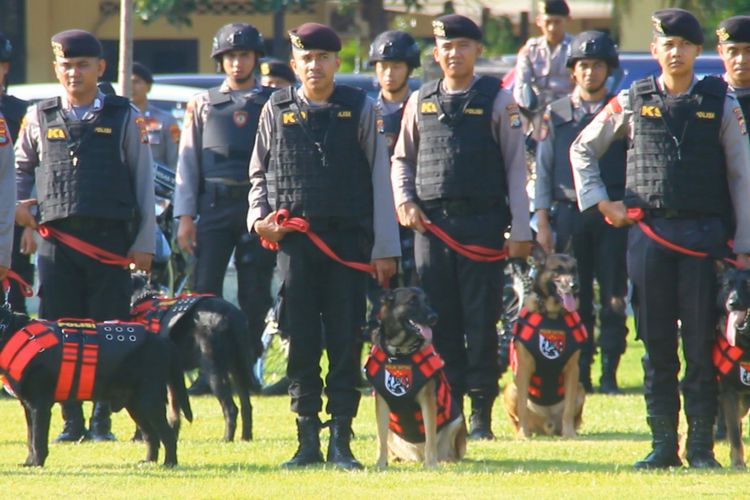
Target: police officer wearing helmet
320,156
163,131
687,138
212,180
276,74
87,155
733,35
598,247
459,162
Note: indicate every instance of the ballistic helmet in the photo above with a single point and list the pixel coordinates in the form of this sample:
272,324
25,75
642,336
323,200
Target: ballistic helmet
237,36
394,45
593,45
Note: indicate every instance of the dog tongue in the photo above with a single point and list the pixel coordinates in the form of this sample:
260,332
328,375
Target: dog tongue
569,302
425,331
735,318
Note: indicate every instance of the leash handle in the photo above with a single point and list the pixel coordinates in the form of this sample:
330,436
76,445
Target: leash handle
26,289
86,248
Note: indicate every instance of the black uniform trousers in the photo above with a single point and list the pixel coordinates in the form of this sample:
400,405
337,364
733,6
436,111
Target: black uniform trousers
322,304
600,250
21,264
221,230
669,287
467,296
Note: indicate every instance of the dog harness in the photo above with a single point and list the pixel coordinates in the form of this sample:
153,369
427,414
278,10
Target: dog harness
90,353
729,362
160,314
399,378
552,341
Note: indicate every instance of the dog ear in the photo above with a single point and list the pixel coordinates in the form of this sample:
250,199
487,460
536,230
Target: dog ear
538,255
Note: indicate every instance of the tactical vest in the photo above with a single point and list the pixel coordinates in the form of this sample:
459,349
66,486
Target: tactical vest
458,157
731,364
317,166
568,124
85,355
552,341
744,101
391,126
399,379
229,133
81,171
14,110
160,314
691,178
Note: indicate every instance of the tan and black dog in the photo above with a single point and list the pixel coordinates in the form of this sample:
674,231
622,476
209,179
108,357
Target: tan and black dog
417,418
546,396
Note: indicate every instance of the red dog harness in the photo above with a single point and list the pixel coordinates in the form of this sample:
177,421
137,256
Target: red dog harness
159,314
729,363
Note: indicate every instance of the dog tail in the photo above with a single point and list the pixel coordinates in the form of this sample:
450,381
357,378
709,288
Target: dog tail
179,399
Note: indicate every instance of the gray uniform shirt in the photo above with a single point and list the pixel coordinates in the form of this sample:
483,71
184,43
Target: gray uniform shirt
373,144
615,121
134,152
506,130
7,194
163,135
544,69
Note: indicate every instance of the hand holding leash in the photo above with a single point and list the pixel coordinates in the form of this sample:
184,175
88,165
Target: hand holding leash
186,234
411,216
269,228
617,214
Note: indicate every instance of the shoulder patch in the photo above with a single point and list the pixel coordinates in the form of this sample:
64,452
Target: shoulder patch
514,116
544,128
174,132
740,120
142,128
4,133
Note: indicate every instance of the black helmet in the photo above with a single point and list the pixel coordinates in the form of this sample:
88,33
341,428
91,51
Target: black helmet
395,45
593,45
237,36
6,48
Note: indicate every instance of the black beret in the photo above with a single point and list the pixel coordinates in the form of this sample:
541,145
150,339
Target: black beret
311,36
554,8
280,69
734,29
456,26
76,43
677,22
141,71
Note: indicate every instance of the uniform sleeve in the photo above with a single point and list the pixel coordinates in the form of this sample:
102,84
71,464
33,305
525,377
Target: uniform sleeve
404,160
734,139
524,72
612,123
171,131
137,156
506,129
545,160
7,196
258,196
387,243
27,154
188,162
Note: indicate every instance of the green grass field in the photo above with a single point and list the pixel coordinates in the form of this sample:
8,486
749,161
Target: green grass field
597,464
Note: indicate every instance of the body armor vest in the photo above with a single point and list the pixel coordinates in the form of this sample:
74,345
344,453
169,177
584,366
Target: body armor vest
458,157
568,123
317,166
552,341
14,110
744,101
399,379
81,171
229,133
676,160
160,314
732,365
391,127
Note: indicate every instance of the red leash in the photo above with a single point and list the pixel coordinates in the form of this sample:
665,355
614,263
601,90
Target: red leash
26,289
93,251
473,252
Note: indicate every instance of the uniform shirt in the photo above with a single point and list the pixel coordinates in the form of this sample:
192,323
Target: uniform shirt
188,177
616,122
163,135
544,69
506,130
545,150
372,142
134,152
7,194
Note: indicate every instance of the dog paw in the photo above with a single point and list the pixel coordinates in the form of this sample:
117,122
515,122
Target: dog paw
522,434
381,464
431,464
739,465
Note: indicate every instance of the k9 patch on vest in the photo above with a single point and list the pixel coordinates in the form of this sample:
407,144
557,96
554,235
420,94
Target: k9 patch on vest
398,379
650,111
551,343
56,134
428,107
745,373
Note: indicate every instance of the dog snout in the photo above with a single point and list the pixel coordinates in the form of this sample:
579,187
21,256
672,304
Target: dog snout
432,317
733,301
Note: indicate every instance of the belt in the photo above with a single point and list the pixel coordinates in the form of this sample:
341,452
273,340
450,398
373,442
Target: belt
319,224
230,191
462,207
82,223
669,213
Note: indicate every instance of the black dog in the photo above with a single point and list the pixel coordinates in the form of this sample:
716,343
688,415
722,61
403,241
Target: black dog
209,333
77,359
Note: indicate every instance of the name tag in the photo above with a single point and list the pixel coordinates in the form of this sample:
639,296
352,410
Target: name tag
473,111
103,130
344,114
706,115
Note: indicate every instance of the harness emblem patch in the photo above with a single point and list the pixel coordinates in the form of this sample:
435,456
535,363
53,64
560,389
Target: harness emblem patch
398,379
551,343
745,373
240,118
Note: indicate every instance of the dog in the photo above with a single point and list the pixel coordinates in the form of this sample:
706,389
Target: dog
546,396
211,333
416,417
78,359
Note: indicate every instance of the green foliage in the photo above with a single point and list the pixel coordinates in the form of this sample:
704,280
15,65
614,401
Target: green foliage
178,12
498,36
353,56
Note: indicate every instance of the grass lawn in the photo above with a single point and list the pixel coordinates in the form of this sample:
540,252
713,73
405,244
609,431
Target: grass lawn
597,464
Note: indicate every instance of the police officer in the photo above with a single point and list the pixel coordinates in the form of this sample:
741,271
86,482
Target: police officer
733,35
459,162
212,180
542,75
7,198
276,74
163,131
319,155
686,139
598,247
87,156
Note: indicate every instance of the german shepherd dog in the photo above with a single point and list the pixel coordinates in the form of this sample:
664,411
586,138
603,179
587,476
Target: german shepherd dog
545,396
127,366
211,333
416,418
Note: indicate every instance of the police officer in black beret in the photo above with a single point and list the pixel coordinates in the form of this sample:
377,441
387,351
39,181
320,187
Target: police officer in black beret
733,35
212,181
87,155
320,156
688,138
276,74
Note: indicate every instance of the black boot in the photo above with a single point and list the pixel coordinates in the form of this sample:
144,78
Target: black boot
584,374
308,436
200,386
608,380
73,429
664,444
339,452
278,388
480,421
700,443
100,425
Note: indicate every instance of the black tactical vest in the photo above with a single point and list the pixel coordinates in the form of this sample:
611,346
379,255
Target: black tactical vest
744,101
568,123
317,166
458,157
229,133
13,109
81,171
391,126
692,178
